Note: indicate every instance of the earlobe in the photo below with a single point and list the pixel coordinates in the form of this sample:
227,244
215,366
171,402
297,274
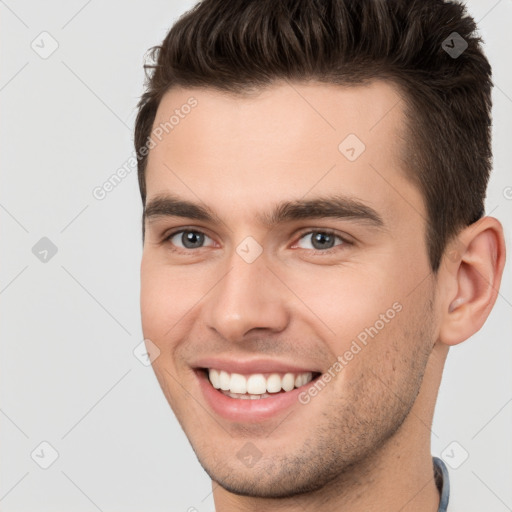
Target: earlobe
472,280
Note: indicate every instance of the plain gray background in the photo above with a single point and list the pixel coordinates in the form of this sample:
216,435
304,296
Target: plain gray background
71,320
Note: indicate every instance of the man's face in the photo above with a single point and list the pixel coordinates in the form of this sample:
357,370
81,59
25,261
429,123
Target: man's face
262,292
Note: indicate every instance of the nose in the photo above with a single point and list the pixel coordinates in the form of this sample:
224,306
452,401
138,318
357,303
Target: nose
247,298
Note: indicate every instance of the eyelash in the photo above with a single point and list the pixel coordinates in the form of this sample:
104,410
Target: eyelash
328,232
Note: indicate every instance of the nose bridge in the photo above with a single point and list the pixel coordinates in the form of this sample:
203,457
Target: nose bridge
248,296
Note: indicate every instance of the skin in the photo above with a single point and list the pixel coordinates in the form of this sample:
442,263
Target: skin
363,442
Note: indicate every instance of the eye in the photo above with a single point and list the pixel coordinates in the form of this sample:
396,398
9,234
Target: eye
188,238
321,241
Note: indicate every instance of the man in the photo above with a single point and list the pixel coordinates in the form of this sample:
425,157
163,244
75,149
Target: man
313,177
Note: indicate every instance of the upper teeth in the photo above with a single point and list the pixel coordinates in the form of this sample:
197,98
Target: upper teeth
257,384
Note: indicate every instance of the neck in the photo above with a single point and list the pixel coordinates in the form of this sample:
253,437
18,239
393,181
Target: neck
398,476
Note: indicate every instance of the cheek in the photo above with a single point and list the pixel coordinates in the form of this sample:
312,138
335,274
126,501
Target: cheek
170,300
164,298
346,300
363,315
151,298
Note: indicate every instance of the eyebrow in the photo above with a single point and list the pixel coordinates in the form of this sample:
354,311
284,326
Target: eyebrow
335,207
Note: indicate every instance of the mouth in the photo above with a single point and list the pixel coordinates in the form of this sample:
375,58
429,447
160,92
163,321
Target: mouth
257,385
253,397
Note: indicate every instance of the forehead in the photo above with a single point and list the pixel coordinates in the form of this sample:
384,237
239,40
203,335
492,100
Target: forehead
286,141
321,113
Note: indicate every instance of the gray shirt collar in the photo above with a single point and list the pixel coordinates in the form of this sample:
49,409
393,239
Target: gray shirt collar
443,483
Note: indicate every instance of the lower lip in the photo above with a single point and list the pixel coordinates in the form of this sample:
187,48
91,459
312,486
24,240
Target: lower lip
240,410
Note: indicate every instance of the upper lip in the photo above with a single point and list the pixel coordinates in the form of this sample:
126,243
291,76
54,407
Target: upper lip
251,366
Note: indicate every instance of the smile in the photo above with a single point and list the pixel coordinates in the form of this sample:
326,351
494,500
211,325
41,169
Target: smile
257,385
247,393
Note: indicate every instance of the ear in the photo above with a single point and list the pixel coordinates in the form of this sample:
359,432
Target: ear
472,268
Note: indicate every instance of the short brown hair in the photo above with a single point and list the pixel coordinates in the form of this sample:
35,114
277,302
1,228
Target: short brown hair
239,46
